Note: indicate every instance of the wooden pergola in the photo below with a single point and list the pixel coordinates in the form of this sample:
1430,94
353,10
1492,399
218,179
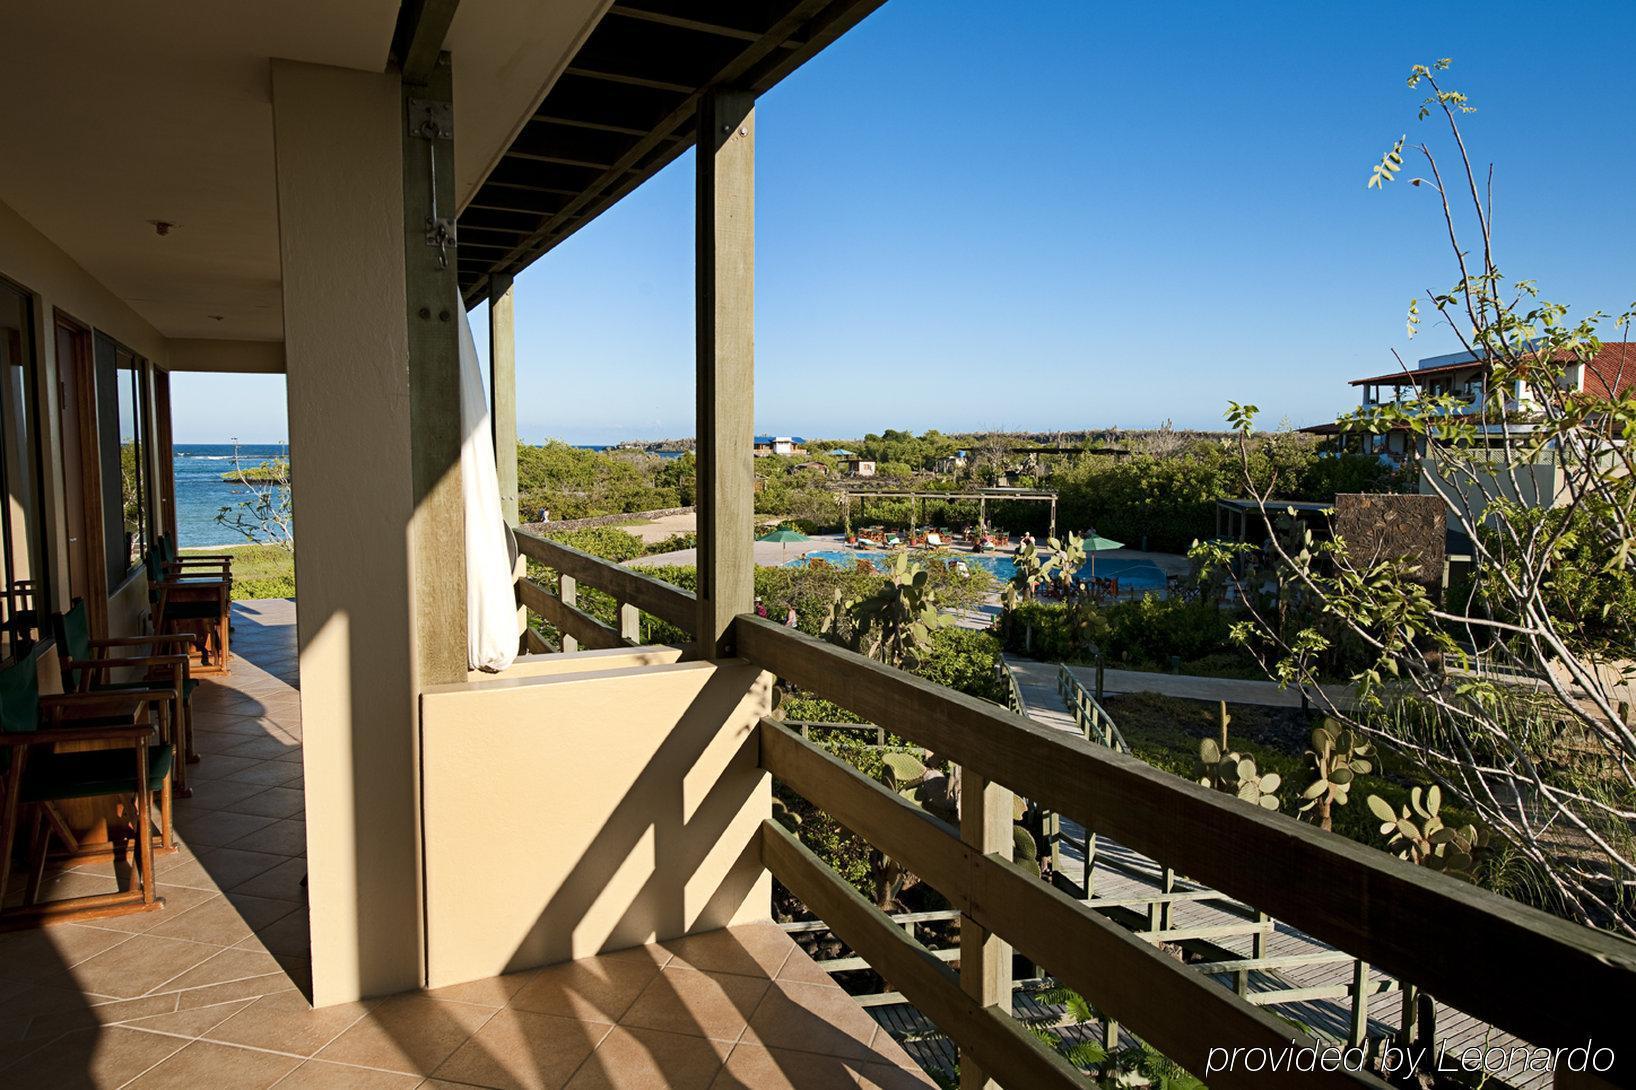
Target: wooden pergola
982,496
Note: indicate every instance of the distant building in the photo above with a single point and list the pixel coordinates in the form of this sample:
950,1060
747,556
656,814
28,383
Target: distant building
952,463
1467,377
860,467
783,445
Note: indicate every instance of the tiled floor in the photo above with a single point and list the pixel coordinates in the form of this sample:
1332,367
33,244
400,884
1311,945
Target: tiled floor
210,990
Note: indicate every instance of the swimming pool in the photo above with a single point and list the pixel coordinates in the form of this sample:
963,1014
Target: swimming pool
1134,574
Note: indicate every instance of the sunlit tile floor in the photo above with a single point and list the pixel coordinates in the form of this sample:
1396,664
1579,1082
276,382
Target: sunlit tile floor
211,990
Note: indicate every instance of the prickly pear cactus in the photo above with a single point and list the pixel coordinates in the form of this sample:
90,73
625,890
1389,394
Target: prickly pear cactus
1337,756
1236,774
1419,835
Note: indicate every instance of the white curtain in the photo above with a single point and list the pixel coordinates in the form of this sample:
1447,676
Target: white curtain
491,602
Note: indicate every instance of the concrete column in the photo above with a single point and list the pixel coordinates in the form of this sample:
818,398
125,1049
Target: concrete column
724,295
351,348
503,390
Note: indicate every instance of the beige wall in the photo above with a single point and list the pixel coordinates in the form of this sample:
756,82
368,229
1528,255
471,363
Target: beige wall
340,185
33,261
234,357
571,811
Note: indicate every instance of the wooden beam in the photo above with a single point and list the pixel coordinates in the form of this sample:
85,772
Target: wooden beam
503,390
985,959
1401,918
724,291
418,38
1179,1011
437,528
998,1041
668,603
574,624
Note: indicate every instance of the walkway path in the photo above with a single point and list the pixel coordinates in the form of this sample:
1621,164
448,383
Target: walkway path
1041,677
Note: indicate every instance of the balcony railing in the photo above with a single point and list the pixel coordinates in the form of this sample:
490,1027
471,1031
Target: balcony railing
633,594
1546,980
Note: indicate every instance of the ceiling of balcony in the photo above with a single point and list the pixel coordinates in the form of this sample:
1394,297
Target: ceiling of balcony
623,108
120,114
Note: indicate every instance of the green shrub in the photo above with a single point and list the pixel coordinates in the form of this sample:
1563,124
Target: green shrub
608,542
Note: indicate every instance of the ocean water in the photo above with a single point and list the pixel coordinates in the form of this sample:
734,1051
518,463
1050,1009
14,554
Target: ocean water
201,492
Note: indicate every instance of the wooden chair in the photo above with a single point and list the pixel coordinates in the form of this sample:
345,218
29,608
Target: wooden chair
177,565
160,661
38,775
200,605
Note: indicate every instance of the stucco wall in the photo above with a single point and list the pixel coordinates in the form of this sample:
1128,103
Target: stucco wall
578,811
340,195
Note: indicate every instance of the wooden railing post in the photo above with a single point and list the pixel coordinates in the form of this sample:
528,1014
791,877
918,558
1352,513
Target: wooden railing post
1360,1003
568,592
985,959
630,622
724,291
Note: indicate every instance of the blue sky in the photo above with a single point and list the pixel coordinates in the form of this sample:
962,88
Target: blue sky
1066,215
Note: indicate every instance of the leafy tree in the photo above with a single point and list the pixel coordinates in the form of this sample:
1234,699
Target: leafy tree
1554,591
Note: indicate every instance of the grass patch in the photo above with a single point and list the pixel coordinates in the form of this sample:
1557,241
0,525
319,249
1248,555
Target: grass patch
259,571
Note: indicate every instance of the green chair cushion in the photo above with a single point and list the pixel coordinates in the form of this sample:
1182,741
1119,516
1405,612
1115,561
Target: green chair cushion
51,776
20,694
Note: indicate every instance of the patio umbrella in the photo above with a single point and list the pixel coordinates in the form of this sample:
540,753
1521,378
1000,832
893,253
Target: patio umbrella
784,537
1095,543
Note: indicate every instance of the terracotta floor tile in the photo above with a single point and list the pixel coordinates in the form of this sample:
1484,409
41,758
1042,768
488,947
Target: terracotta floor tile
798,966
107,1056
275,802
139,964
750,950
877,1076
811,1018
638,1059
520,1049
702,1004
264,748
220,767
213,795
494,991
217,828
322,1075
288,935
287,838
43,956
597,989
254,987
224,920
286,1022
887,1050
282,882
221,868
178,900
272,773
191,1023
220,1067
121,1010
224,966
409,1033
755,1068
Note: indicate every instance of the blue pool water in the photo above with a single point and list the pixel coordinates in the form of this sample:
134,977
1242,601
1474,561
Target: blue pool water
1135,574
